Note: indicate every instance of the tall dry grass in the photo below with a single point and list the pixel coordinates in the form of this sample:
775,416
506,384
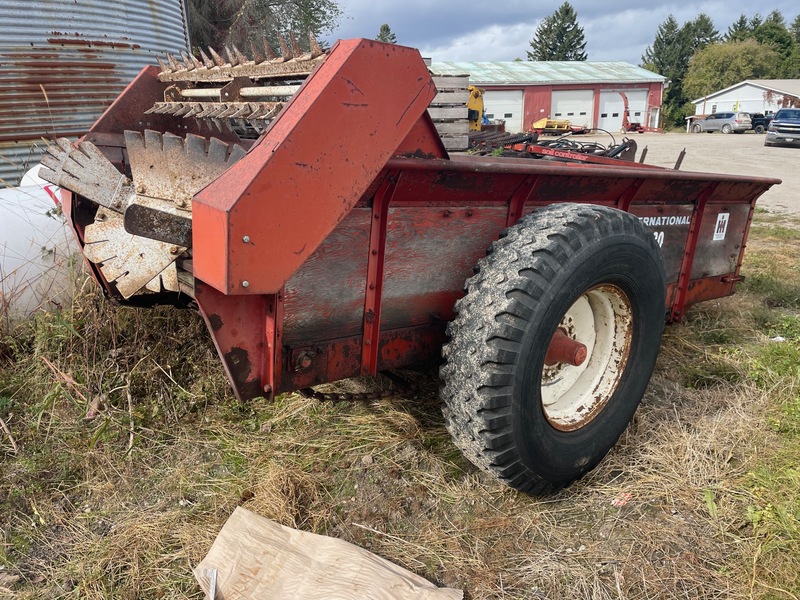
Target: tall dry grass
129,453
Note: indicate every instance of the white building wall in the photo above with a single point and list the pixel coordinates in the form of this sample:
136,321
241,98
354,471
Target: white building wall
747,98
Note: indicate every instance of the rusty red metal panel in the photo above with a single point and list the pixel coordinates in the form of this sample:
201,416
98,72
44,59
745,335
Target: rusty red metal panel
430,252
127,112
373,294
422,141
670,226
331,360
411,345
328,360
684,276
324,298
244,333
720,240
294,168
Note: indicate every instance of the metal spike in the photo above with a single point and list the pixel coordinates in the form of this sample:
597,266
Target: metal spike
197,64
207,109
316,49
218,109
207,62
269,53
286,52
228,112
264,110
239,56
196,109
187,61
218,60
243,112
164,68
184,109
296,50
258,57
173,62
231,57
165,108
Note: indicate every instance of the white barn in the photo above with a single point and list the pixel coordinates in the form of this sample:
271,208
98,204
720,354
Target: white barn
752,95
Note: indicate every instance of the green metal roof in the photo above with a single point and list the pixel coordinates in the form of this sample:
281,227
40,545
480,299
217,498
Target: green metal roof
538,72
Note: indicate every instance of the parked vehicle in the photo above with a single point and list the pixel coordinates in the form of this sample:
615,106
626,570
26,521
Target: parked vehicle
726,122
759,122
784,130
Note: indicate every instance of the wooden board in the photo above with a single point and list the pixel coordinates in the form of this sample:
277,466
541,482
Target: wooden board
452,127
452,98
448,112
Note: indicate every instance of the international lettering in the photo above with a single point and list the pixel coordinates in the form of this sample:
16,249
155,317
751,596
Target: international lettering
666,221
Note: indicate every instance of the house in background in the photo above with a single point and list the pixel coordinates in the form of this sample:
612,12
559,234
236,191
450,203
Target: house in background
585,93
752,95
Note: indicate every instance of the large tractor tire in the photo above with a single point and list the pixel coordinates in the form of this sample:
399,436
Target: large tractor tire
553,344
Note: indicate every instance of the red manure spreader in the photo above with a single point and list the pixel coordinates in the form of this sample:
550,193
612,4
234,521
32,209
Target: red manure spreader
306,206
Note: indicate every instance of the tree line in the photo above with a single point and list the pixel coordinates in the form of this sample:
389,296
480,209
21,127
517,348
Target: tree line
698,60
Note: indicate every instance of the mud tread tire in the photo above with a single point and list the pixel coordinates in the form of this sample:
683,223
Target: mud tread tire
499,327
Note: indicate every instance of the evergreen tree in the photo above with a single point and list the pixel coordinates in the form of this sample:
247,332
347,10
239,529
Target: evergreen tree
669,56
559,37
795,29
665,55
700,32
739,30
385,35
777,18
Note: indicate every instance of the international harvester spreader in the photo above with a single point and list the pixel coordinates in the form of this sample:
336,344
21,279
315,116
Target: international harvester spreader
306,206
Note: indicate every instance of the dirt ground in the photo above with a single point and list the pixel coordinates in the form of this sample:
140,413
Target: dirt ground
743,154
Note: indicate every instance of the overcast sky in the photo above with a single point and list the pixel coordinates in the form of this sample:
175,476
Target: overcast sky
446,30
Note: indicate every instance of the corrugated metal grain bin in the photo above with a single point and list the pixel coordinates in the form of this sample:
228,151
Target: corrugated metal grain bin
62,62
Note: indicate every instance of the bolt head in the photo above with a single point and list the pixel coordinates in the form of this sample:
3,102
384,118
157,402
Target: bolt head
246,239
245,283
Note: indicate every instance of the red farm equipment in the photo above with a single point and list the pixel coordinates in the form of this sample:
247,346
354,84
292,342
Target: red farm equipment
343,240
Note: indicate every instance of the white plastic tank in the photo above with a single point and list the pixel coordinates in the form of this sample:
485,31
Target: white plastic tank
38,252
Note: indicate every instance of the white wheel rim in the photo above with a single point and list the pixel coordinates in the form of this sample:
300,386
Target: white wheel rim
601,319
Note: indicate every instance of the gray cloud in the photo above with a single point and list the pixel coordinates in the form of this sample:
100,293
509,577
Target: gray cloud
447,30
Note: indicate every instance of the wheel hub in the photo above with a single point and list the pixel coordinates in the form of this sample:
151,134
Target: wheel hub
599,325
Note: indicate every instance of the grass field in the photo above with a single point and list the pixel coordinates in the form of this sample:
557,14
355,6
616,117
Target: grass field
122,453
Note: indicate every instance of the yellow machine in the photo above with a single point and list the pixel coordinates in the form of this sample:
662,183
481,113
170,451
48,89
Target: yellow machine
475,108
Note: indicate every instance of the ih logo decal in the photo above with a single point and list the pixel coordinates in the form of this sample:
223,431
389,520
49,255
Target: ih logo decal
722,226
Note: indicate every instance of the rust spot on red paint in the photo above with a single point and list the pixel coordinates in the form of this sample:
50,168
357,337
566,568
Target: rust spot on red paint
215,321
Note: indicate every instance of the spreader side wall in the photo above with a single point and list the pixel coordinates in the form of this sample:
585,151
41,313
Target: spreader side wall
439,224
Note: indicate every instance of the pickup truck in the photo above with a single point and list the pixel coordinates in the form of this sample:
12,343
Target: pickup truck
784,130
760,122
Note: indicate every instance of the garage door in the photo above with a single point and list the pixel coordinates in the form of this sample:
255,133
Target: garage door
505,105
612,106
573,105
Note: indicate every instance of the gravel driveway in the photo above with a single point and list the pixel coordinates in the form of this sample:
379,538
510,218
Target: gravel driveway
743,154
